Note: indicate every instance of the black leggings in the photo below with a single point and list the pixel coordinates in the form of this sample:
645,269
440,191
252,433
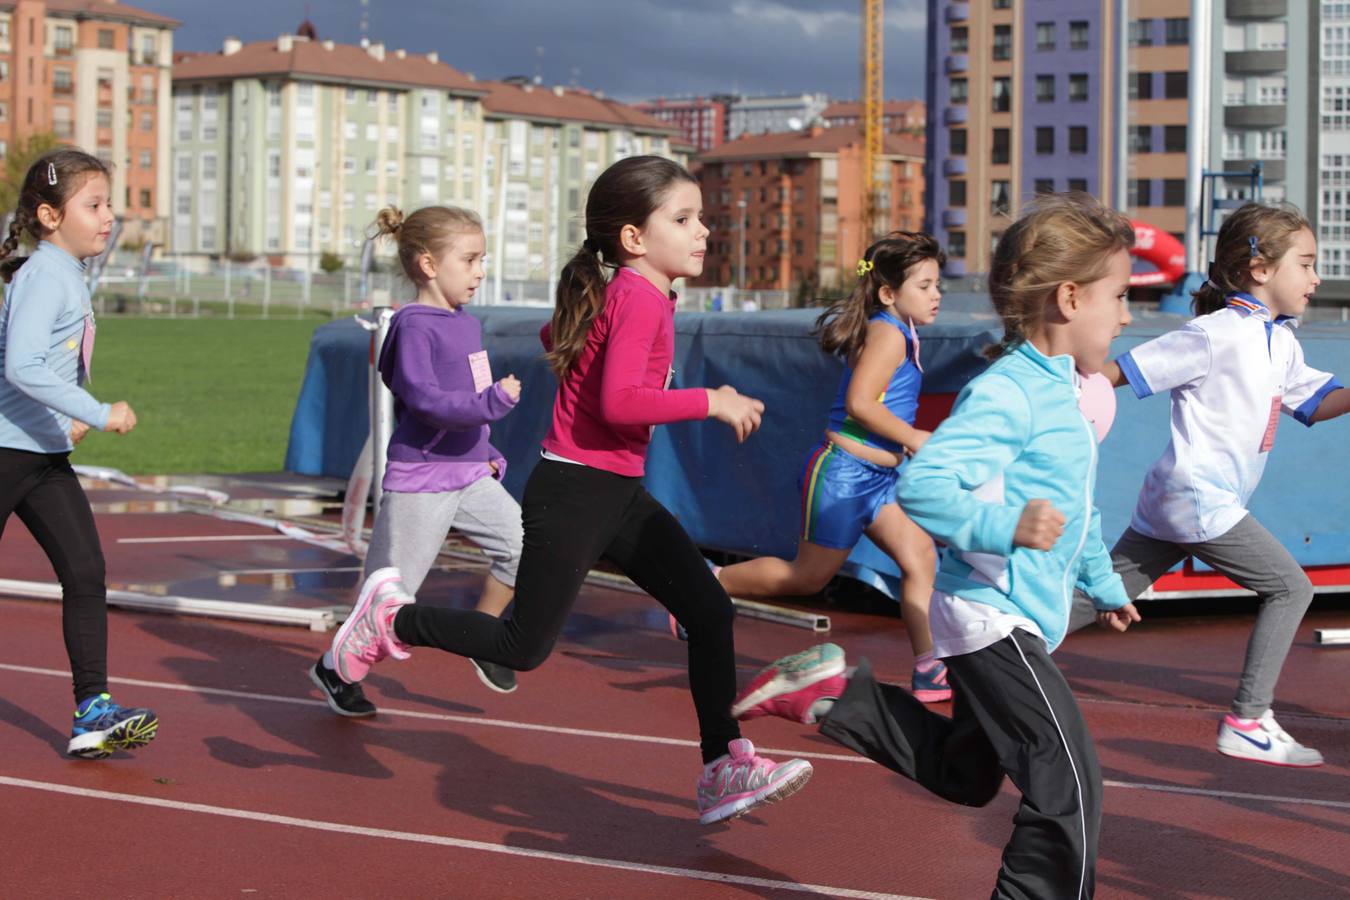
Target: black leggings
43,490
574,516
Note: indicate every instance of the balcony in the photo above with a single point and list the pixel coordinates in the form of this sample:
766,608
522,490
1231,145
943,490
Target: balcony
1271,169
953,218
958,12
955,115
957,62
1257,9
1258,116
954,165
1254,62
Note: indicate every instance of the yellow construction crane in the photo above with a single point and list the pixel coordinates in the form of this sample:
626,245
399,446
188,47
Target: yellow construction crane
873,134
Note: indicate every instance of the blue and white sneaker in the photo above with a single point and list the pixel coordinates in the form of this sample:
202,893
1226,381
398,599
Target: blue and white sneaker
1263,740
931,686
101,726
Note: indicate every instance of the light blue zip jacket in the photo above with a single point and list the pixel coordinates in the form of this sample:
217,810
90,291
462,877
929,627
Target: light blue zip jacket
1016,434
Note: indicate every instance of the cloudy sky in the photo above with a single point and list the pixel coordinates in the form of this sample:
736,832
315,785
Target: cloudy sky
628,48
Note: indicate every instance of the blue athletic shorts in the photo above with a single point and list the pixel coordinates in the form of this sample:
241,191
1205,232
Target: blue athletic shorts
842,495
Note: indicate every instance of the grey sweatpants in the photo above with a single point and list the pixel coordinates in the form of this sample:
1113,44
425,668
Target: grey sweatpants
1249,555
411,528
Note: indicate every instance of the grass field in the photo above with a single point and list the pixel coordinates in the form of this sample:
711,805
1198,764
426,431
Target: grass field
211,395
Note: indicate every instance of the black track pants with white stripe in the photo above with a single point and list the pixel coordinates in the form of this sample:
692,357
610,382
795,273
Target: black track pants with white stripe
1013,713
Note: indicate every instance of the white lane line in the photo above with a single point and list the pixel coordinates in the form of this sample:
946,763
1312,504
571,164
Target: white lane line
205,538
386,711
445,841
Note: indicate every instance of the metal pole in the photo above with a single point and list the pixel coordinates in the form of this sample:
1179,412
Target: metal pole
1197,127
1121,194
740,267
367,260
381,408
498,254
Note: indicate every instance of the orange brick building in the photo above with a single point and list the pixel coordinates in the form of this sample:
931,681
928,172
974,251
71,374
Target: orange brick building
95,73
802,195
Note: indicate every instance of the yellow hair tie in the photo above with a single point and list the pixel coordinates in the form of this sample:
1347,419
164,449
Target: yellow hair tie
864,266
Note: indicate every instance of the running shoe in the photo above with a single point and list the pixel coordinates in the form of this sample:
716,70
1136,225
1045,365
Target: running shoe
931,686
734,784
344,699
368,635
101,726
1263,740
789,687
497,677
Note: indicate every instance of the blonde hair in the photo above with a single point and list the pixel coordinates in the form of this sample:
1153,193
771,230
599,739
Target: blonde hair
1253,232
431,229
1059,238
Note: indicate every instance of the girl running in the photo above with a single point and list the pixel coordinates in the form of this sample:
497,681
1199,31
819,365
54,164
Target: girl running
442,471
848,484
1006,483
611,342
47,345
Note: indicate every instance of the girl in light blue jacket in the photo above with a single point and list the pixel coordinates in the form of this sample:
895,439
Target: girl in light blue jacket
1006,483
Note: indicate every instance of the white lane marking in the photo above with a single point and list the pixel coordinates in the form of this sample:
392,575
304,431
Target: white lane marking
205,538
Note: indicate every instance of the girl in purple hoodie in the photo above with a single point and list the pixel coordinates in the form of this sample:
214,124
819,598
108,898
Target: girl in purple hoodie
442,471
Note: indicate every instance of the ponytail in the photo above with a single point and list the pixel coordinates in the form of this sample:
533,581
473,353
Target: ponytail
580,300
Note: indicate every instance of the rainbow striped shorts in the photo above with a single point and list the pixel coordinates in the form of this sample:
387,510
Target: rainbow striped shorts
842,495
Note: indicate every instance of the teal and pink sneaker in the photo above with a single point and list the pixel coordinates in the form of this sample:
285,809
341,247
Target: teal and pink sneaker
734,784
101,726
791,686
931,686
368,634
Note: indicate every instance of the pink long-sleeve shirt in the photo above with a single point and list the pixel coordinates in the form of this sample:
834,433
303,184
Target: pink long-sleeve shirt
616,391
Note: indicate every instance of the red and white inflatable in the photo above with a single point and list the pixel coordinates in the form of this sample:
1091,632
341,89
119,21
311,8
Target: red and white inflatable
1160,248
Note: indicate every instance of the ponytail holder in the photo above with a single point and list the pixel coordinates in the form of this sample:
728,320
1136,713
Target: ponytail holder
590,246
864,266
1251,242
51,173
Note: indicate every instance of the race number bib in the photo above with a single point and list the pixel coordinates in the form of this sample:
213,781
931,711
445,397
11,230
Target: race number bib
1268,440
482,371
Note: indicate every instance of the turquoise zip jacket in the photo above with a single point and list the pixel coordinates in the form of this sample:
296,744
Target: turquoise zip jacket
1015,435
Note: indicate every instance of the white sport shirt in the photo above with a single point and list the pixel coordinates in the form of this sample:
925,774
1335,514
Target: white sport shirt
1231,374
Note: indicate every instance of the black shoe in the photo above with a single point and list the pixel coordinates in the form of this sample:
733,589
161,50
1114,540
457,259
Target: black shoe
499,678
343,698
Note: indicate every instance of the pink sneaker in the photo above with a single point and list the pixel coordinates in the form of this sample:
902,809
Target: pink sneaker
734,784
367,636
789,687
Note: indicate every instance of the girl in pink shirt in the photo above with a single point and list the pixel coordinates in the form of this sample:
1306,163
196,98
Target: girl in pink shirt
611,343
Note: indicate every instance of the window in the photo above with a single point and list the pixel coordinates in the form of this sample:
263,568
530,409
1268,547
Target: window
1045,139
960,42
1177,31
61,82
957,141
956,193
1141,86
1000,198
1175,85
1141,139
1045,89
1045,185
956,244
146,159
1002,42
1000,151
1078,139
105,38
103,118
1140,193
1045,35
1078,87
1002,95
1174,139
959,91
1078,35
145,199
1174,191
1141,33
63,39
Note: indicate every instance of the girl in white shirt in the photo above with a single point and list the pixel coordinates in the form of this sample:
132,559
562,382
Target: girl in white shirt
1231,372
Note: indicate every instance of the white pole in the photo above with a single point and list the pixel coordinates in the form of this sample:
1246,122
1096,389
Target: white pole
499,251
1121,195
381,409
1197,126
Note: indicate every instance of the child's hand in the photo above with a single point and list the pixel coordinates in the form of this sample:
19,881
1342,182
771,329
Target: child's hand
122,418
742,413
77,431
512,387
1118,619
1040,526
916,443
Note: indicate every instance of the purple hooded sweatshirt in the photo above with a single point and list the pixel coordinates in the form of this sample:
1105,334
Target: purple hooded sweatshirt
441,440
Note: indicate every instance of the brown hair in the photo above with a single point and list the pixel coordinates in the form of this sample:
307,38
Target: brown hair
52,180
625,194
1059,238
1253,232
887,263
431,229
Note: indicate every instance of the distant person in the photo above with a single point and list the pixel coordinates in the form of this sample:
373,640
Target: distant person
848,484
47,346
611,343
442,472
1231,372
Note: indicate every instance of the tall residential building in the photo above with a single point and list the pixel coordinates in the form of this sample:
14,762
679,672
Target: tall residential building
898,116
1158,129
542,149
1329,162
761,115
784,208
702,121
96,74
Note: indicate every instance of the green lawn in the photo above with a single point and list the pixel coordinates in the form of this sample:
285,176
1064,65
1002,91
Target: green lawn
211,395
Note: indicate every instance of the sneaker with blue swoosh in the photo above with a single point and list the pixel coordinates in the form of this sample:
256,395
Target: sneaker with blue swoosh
1263,740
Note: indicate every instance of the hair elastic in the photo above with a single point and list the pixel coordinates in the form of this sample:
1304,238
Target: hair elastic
864,266
1251,242
51,173
590,246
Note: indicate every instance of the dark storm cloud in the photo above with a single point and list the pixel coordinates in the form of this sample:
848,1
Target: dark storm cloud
628,48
